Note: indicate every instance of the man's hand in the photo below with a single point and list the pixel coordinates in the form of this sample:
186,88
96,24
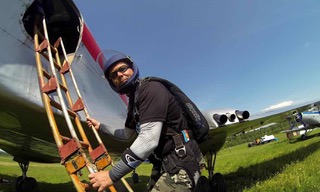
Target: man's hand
100,180
93,122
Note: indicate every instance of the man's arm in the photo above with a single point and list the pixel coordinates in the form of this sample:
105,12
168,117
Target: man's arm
142,147
118,133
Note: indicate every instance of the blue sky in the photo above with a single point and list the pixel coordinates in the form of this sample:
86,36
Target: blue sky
242,54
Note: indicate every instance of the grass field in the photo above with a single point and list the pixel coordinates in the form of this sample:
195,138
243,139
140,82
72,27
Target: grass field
276,166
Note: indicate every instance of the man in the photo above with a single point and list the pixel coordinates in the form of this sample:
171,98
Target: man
156,116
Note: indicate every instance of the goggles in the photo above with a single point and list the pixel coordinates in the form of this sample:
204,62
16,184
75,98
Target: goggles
121,69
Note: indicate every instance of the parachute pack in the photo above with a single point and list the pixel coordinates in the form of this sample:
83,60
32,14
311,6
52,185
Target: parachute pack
196,121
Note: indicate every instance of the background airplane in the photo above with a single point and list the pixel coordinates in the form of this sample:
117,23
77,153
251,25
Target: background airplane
306,120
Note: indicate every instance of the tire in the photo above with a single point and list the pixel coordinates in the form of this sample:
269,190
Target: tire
203,185
19,183
30,185
218,184
135,177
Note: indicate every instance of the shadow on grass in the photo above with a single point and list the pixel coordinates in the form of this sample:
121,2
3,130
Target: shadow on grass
9,185
247,177
42,186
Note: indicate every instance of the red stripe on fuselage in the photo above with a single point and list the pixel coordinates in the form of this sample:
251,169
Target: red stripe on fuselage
94,49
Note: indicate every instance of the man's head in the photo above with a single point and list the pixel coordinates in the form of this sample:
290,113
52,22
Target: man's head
121,73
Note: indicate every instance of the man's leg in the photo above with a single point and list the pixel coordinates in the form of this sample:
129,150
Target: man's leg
176,183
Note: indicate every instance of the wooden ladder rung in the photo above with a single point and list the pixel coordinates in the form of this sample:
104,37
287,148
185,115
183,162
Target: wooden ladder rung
83,144
45,55
44,44
51,85
46,74
58,106
65,89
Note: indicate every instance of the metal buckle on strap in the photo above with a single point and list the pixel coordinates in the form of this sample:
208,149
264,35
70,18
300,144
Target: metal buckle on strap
181,152
179,146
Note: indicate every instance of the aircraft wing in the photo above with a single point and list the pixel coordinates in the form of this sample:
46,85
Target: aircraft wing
294,129
222,123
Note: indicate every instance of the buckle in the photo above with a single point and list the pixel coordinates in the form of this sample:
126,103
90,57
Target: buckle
181,152
180,148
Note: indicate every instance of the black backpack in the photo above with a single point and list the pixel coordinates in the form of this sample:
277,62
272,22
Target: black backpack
196,121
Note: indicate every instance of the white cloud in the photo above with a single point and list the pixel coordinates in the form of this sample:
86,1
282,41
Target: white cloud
278,106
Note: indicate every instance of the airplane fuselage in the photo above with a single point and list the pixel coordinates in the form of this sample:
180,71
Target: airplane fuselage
311,118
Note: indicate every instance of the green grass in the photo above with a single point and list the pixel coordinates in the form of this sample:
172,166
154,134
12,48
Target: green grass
54,177
276,166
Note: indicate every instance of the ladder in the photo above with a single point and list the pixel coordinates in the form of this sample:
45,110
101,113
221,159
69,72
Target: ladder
75,154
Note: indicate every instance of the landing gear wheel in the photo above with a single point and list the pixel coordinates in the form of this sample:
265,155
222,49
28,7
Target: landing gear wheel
135,177
30,185
24,183
203,185
216,180
217,183
27,184
19,183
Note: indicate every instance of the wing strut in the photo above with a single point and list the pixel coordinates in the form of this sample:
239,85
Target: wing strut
75,154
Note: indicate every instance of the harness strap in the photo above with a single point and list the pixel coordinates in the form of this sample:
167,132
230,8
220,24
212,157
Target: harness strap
179,140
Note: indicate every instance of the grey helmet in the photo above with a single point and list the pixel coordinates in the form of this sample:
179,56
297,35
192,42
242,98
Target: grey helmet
108,59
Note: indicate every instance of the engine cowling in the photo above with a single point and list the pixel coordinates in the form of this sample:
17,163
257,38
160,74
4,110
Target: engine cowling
220,118
224,117
231,117
242,114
